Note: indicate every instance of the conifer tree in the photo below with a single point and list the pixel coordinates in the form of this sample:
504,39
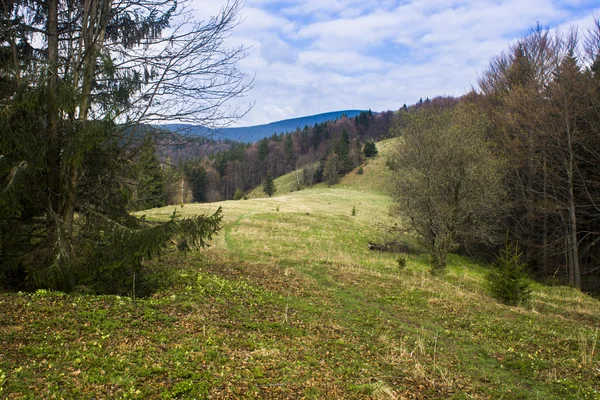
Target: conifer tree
268,185
370,150
198,181
342,149
85,78
150,185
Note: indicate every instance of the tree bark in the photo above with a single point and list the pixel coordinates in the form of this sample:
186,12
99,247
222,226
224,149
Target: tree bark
53,152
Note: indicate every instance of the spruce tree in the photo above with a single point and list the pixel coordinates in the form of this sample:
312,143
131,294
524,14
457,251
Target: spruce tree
342,149
198,181
268,185
85,82
150,188
370,150
508,280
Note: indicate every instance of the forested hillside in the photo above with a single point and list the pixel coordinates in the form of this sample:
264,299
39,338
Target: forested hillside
251,134
244,166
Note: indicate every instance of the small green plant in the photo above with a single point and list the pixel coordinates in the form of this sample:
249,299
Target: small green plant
238,194
2,380
277,208
360,171
508,280
354,211
401,261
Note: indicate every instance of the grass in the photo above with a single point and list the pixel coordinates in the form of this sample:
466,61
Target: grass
290,303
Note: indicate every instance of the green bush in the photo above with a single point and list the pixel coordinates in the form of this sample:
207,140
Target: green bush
508,280
401,261
238,195
360,171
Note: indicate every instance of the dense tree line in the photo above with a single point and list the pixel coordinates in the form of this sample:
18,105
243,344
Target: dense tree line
537,108
244,166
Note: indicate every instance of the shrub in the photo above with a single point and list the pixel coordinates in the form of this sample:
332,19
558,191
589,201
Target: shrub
401,261
360,171
354,211
508,280
238,195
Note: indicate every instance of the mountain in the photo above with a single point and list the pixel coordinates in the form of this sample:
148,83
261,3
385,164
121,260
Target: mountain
255,133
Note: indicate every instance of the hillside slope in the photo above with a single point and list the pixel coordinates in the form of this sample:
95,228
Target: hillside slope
251,134
290,303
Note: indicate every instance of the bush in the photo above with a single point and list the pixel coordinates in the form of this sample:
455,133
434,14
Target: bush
401,261
238,195
354,211
360,171
508,280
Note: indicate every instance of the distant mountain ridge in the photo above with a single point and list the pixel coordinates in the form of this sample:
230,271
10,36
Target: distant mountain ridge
251,134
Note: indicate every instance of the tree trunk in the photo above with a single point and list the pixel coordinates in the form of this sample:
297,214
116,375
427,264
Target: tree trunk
574,242
93,38
53,152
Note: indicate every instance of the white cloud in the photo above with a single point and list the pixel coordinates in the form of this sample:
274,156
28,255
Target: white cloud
312,56
273,50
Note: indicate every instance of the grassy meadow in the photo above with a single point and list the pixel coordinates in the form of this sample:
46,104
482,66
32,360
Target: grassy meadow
289,303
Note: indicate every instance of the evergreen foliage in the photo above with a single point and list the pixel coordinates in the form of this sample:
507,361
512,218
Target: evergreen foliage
149,191
238,194
268,185
342,149
370,149
508,280
197,180
318,177
69,173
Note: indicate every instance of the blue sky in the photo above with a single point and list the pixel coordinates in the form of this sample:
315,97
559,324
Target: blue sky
314,56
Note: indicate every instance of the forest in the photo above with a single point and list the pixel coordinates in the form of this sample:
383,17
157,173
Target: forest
226,167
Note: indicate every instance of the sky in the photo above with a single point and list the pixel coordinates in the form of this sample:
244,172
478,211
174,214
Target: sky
313,56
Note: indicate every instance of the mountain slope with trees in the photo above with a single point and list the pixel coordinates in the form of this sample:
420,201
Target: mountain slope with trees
251,134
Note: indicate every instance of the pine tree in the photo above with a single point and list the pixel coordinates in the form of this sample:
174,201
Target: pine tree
268,185
288,145
198,181
78,66
342,149
150,187
508,280
263,149
370,150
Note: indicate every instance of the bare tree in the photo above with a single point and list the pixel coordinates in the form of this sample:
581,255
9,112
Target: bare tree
446,181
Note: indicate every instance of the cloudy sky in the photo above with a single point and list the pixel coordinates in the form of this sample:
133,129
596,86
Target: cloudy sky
314,56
